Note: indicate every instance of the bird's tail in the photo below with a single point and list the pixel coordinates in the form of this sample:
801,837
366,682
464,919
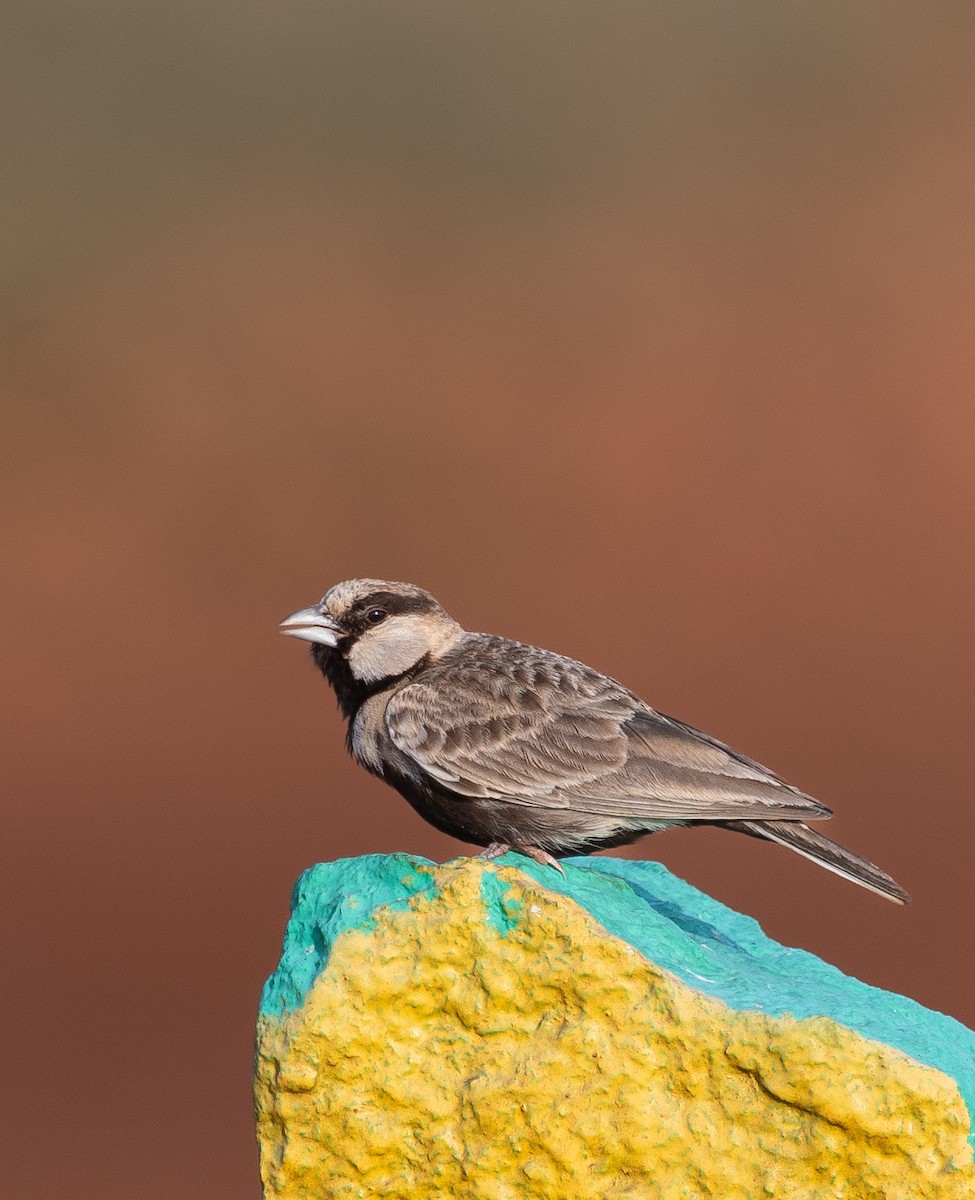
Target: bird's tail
827,853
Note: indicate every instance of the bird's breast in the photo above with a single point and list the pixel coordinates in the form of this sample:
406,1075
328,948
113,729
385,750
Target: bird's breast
368,732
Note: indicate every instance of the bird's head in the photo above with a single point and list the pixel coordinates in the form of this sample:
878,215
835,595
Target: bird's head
371,630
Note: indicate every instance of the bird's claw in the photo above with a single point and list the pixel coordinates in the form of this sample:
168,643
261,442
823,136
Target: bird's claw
542,857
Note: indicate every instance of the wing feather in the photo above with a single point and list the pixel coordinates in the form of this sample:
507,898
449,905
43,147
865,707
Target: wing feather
509,722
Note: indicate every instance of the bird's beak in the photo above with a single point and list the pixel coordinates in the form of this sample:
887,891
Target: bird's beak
311,625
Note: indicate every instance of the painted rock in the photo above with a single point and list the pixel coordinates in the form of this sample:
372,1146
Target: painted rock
491,1031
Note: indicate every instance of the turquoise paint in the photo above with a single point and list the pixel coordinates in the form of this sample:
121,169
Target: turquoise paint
707,945
503,910
328,899
720,952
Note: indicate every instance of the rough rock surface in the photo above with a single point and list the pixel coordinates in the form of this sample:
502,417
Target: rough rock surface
466,1032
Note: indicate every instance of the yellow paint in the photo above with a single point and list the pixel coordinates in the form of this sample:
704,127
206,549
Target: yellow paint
436,1059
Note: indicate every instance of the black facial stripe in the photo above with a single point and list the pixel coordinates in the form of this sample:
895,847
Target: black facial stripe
356,620
396,604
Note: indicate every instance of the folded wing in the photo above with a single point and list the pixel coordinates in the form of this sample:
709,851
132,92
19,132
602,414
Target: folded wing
532,728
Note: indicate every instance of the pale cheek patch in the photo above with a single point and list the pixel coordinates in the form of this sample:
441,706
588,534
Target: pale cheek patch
389,649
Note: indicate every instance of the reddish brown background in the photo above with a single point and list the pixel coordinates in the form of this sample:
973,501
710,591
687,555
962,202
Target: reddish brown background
640,331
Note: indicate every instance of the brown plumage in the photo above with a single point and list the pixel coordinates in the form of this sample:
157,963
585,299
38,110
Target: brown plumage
509,746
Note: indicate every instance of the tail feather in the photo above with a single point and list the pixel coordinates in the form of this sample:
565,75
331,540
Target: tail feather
827,853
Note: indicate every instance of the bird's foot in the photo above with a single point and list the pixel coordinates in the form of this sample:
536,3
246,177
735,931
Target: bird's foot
495,850
542,857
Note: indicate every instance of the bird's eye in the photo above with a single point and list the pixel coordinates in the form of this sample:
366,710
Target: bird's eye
375,615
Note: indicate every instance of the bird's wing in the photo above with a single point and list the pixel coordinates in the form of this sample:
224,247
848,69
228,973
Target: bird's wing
544,731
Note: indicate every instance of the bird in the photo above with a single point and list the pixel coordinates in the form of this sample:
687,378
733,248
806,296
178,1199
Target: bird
507,746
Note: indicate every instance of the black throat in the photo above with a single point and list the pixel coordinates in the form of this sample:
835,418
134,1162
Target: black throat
352,693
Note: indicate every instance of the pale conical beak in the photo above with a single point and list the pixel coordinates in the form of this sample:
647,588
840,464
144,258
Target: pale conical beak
311,625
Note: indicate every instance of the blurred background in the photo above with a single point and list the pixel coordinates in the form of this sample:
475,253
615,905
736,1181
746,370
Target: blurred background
639,331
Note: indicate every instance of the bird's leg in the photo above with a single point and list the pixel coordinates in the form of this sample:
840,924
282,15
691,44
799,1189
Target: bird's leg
542,857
